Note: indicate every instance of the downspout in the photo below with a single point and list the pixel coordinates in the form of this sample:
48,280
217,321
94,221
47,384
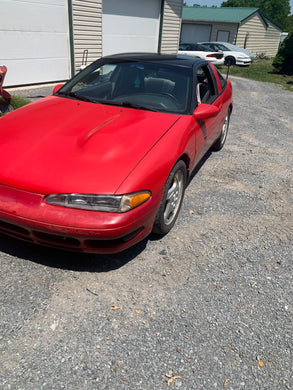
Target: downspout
71,41
236,36
161,26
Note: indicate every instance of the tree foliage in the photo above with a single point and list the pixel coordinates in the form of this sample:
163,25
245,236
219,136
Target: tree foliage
277,10
283,61
290,23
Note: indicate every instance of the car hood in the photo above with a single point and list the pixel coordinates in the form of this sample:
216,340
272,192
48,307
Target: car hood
60,145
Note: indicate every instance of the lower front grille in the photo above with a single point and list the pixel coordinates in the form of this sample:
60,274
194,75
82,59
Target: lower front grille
51,238
67,243
115,242
39,237
9,227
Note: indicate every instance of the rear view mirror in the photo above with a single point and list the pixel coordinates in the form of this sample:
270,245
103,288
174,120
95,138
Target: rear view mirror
205,111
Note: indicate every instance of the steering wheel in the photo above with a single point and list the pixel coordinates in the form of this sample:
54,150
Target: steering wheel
170,96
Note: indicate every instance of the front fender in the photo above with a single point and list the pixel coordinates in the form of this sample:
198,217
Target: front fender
152,171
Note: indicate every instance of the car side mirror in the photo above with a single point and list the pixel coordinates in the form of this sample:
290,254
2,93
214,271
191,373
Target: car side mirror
57,87
205,111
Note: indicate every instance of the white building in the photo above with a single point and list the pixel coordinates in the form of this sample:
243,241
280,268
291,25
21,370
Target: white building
249,28
44,40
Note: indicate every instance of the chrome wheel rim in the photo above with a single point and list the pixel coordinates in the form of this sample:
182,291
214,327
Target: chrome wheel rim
225,129
174,196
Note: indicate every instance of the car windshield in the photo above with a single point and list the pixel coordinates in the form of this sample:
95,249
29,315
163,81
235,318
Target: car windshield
222,47
144,85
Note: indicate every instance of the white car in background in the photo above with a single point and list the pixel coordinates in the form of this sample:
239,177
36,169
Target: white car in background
201,51
237,48
233,54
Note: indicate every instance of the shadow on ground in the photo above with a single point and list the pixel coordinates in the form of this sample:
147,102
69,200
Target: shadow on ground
74,261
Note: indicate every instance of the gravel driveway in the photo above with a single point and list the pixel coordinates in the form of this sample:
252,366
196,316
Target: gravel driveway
209,306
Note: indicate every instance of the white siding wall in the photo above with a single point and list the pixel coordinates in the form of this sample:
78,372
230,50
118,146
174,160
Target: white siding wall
87,30
260,39
171,26
120,27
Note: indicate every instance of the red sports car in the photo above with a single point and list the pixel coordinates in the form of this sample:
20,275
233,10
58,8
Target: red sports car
104,161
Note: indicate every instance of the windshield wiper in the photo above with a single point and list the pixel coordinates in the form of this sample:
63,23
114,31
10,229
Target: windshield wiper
133,105
78,97
125,104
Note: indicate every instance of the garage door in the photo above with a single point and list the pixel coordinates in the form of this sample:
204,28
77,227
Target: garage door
192,33
34,41
130,25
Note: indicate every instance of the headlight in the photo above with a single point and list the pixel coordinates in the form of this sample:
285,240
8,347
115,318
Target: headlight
114,203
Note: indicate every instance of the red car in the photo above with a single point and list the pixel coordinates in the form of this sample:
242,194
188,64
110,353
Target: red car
104,161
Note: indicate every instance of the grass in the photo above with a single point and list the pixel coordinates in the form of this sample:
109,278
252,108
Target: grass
18,101
261,70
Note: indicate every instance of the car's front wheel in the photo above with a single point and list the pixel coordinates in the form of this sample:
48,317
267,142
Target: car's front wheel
230,60
172,199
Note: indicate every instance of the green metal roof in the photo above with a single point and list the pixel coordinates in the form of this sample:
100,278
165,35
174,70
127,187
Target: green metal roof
215,14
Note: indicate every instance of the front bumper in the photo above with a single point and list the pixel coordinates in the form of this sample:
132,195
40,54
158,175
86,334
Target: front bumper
243,61
26,216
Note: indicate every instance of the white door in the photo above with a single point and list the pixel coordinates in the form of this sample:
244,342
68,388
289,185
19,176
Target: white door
223,36
193,33
34,41
130,26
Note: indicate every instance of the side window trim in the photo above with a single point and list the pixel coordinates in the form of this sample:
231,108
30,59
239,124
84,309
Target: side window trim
213,80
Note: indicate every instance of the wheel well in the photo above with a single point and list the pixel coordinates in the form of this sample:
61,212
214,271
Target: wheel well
186,161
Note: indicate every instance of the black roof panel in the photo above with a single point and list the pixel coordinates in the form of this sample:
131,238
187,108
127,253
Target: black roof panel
172,59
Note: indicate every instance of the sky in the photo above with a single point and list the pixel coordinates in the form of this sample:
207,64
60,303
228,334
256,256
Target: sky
218,3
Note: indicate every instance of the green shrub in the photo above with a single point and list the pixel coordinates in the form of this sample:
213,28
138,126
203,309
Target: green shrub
283,62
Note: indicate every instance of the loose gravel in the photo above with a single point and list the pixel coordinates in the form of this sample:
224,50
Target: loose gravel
208,306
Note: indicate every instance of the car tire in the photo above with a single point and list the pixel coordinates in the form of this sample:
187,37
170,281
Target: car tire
172,199
218,145
230,60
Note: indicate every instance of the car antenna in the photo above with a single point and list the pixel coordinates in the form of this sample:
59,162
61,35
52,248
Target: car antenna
229,63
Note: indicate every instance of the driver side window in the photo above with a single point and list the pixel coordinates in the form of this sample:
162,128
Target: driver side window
205,88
